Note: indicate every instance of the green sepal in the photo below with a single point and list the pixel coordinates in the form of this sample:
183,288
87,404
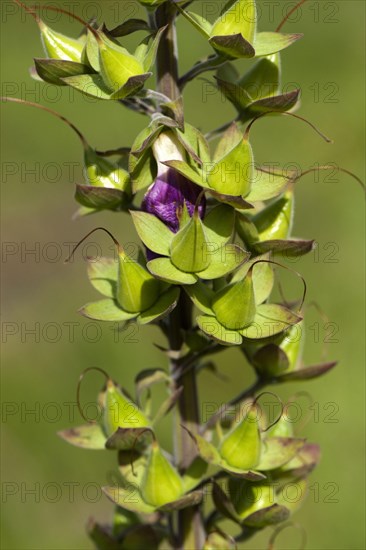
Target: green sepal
263,79
266,185
290,248
241,447
234,305
194,474
219,225
163,269
117,66
202,296
127,27
54,70
88,436
101,172
143,170
301,465
270,361
100,198
232,23
270,320
186,501
223,260
164,305
216,331
198,22
267,43
307,373
188,249
124,439
152,49
93,85
272,515
232,46
120,412
60,46
103,275
277,451
137,289
128,498
195,175
106,310
153,232
194,143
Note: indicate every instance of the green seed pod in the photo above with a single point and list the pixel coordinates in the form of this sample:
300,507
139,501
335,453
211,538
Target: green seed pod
161,482
249,497
59,46
234,305
119,411
241,447
137,290
189,247
117,65
275,221
101,172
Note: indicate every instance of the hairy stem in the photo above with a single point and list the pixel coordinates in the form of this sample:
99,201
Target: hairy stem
189,521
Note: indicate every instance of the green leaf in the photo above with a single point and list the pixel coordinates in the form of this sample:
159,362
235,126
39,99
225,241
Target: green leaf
246,229
88,436
263,79
263,277
270,319
117,66
100,198
278,103
162,307
165,270
106,310
194,143
223,504
145,140
277,451
233,46
223,260
215,330
234,93
201,295
189,247
53,70
128,498
153,233
103,275
137,289
266,43
302,464
266,185
219,224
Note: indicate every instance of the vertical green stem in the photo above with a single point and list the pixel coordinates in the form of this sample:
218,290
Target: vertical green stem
191,534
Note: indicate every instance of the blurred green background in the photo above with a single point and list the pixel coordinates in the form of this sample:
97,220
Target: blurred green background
50,489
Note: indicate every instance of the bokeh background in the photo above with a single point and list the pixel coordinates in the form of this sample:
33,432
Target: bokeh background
50,489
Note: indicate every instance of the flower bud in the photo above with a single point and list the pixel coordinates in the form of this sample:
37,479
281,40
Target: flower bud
161,482
119,411
117,66
101,172
241,447
59,46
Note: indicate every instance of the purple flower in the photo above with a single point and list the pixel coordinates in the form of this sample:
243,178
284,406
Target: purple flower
169,193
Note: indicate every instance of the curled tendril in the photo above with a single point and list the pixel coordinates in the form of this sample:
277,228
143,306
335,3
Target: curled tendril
281,528
288,15
249,127
293,398
279,401
297,177
78,389
87,236
288,269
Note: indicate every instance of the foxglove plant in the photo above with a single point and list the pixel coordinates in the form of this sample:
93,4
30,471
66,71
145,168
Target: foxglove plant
213,227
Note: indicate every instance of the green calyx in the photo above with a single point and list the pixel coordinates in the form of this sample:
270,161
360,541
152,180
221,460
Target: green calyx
241,447
100,172
117,66
119,411
189,247
234,305
275,221
161,483
59,46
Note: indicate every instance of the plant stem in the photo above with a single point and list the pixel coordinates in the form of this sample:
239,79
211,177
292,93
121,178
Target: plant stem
191,535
